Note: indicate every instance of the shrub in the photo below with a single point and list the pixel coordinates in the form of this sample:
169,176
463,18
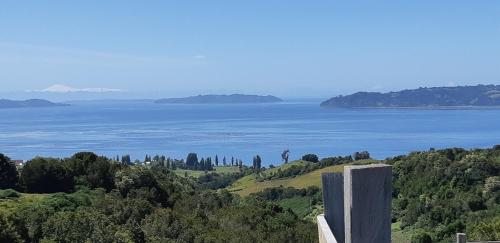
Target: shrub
9,193
421,237
310,158
361,155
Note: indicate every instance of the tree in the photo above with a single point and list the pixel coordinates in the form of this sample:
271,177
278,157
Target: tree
224,161
203,165
361,155
310,158
285,155
91,170
216,160
192,160
8,173
257,162
46,175
126,160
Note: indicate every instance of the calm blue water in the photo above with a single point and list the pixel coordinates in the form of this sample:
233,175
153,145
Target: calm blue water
140,128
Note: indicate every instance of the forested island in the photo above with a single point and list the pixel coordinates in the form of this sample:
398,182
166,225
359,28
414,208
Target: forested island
479,95
221,99
4,103
91,198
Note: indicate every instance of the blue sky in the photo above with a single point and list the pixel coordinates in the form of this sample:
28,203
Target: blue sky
286,48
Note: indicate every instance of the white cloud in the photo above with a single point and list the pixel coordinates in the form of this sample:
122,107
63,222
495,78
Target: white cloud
61,88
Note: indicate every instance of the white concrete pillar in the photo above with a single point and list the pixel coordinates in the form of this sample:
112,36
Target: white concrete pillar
367,203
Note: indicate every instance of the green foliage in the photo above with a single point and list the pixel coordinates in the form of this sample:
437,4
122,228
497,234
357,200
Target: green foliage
421,237
46,175
91,170
484,230
216,181
257,162
7,231
82,225
301,201
120,203
361,155
9,193
441,191
8,173
192,160
301,169
311,158
159,186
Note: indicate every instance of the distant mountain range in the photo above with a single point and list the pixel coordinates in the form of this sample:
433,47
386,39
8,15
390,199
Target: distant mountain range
480,95
221,99
27,103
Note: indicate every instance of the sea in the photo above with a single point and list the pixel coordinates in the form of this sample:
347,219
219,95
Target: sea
240,131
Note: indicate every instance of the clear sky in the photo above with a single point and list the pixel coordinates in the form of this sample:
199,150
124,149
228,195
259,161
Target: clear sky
287,48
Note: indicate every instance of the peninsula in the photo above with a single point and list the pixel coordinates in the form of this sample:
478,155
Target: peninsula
479,95
4,103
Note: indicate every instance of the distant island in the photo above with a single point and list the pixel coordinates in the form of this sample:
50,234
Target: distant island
221,99
4,103
479,95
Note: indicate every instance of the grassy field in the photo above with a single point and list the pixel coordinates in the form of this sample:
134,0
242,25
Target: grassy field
197,173
249,184
300,205
398,235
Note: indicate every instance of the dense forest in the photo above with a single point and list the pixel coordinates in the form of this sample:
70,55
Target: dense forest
96,199
86,197
440,193
480,95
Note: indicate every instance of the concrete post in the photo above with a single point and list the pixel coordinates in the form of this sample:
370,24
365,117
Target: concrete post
461,238
333,200
367,203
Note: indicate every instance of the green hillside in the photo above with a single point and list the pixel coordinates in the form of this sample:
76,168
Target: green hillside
250,184
198,173
437,193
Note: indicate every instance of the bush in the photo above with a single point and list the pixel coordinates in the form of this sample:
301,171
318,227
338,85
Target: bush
361,155
486,230
7,231
9,193
311,158
421,237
